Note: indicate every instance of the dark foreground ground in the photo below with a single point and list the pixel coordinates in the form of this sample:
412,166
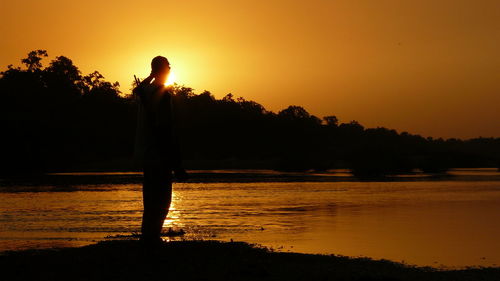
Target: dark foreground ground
208,260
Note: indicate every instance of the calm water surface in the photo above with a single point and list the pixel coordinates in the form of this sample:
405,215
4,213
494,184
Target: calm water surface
452,221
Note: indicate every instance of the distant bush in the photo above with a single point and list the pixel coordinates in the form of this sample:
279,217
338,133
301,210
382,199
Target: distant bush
55,118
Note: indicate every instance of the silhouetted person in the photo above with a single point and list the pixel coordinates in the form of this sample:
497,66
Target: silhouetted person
157,148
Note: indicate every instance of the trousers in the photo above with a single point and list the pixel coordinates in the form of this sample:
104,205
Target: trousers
157,196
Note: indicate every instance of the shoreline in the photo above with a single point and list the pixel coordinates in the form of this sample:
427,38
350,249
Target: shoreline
243,176
211,260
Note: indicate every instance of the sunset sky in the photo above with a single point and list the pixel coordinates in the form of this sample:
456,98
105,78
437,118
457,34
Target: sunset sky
426,67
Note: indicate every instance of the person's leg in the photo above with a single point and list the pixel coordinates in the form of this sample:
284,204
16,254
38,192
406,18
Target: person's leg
163,197
147,232
157,195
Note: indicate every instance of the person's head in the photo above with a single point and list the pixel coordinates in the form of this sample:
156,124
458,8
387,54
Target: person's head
160,67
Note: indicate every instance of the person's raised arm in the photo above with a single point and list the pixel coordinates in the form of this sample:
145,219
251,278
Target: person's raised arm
138,89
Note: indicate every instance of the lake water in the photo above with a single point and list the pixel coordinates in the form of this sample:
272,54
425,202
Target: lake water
451,221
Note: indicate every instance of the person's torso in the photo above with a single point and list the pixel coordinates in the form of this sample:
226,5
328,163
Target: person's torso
155,123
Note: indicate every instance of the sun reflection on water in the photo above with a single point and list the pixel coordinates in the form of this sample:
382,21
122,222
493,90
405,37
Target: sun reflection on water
411,220
173,217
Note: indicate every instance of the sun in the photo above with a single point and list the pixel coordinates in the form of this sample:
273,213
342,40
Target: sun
171,79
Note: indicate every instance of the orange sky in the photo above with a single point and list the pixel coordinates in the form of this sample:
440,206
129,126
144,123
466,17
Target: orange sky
427,67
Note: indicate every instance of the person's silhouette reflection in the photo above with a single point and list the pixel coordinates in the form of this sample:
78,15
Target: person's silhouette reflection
157,148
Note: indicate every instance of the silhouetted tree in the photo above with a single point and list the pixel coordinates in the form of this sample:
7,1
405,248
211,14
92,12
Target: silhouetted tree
331,121
33,61
55,118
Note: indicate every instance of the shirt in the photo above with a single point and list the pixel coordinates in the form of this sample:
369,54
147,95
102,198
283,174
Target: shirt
156,144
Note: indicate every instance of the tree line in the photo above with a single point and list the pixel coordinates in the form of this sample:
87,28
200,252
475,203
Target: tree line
54,118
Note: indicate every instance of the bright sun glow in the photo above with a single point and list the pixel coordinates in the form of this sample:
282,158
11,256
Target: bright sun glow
171,79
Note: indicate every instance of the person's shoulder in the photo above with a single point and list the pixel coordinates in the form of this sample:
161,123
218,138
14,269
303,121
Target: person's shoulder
141,88
149,89
169,90
164,91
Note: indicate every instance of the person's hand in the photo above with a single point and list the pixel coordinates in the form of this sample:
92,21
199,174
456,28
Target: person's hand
180,174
